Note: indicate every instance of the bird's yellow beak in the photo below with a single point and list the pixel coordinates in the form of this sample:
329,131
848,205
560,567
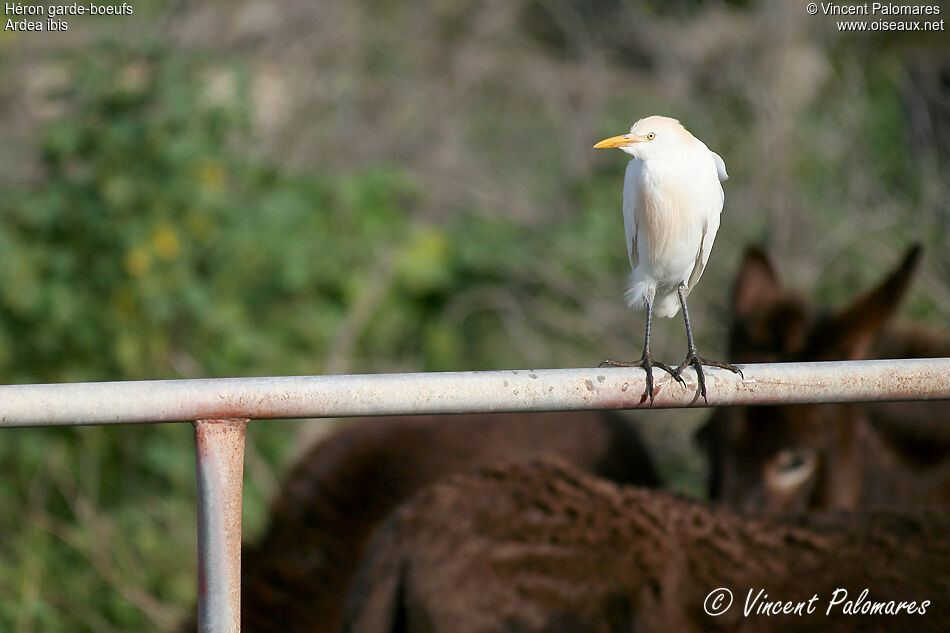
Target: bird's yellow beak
624,140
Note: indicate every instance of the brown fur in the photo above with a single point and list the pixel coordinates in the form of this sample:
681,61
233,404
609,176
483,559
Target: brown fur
295,578
543,547
836,455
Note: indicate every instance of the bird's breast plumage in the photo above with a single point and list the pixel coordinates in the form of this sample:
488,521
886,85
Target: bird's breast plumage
675,202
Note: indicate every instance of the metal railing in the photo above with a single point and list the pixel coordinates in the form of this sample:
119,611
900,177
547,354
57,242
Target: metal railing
221,408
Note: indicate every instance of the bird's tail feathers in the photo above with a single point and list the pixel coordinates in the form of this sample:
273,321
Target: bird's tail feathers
637,293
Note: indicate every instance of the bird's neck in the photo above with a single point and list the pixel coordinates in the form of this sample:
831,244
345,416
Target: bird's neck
668,165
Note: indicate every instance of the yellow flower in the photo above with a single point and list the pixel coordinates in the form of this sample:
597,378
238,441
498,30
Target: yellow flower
165,242
137,261
211,176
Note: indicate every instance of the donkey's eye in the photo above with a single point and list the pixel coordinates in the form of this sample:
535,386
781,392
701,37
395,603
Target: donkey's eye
790,469
790,461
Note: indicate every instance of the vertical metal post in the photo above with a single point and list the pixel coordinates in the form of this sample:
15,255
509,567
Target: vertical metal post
219,460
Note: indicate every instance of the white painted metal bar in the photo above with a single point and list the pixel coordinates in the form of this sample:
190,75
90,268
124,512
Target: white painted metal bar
464,392
219,469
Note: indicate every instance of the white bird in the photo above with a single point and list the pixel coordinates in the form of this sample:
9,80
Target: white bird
672,198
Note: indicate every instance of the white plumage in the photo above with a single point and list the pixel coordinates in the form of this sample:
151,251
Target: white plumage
672,199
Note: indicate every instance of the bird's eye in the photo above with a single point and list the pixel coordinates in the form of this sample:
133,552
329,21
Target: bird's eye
651,136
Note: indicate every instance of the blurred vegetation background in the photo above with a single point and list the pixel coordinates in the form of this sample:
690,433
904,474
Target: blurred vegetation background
239,188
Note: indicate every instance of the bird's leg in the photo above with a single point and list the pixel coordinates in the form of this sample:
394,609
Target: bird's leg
693,358
646,361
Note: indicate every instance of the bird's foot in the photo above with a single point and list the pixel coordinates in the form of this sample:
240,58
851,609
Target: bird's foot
647,364
696,361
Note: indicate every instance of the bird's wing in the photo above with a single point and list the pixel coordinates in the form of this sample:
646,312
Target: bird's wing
701,258
631,203
710,228
720,166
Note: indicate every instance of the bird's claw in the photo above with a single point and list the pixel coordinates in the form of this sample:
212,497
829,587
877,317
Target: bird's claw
647,364
696,361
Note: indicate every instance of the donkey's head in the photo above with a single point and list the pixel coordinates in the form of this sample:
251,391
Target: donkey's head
803,456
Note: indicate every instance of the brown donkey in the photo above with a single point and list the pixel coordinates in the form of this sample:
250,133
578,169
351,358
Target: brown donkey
542,547
294,579
834,455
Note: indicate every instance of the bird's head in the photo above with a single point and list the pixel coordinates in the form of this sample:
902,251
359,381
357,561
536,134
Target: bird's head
651,137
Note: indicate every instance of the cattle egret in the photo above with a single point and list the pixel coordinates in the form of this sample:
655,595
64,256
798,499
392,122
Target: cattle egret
672,198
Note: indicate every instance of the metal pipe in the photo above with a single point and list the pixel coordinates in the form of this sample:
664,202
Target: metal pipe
219,467
464,392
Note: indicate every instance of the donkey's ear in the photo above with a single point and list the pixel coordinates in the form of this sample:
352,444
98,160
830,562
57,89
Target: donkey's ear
856,326
756,287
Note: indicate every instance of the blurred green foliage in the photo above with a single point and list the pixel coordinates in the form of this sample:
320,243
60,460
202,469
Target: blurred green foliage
153,249
152,240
